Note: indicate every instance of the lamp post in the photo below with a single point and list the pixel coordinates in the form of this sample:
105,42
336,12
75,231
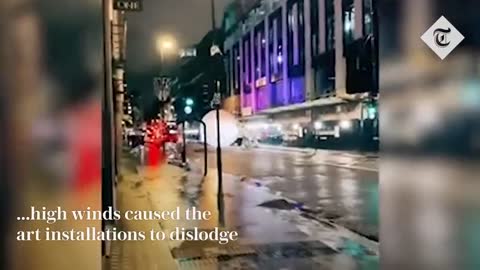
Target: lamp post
220,202
212,5
214,52
164,45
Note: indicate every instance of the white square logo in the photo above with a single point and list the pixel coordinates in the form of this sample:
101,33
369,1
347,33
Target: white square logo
442,37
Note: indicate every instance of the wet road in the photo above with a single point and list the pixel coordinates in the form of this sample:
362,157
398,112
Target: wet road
340,187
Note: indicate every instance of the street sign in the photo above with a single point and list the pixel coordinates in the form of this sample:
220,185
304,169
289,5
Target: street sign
161,87
128,5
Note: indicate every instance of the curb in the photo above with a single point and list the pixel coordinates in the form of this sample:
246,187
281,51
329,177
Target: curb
299,208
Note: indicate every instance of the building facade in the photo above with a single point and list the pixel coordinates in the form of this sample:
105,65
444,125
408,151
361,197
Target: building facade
294,67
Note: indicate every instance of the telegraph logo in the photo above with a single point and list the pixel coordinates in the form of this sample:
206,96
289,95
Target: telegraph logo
442,37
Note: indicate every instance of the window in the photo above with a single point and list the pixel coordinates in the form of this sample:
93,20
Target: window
314,24
295,26
275,44
271,45
296,47
348,21
233,71
263,52
260,50
246,59
367,17
229,71
247,64
330,17
256,64
236,68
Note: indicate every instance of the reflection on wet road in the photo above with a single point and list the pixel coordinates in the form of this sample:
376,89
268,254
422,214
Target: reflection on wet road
324,183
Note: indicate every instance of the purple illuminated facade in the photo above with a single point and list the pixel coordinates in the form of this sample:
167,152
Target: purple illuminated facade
271,60
288,52
296,64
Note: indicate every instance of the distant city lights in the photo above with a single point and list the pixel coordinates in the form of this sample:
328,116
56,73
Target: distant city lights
279,59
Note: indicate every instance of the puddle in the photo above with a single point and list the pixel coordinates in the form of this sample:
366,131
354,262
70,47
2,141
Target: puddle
280,204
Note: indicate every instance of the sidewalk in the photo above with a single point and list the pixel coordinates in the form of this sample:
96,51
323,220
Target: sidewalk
132,255
270,238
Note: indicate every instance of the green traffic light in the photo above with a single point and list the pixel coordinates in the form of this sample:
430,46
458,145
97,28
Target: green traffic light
372,112
187,110
189,102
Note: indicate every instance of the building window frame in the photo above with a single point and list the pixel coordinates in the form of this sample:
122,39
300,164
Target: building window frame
247,58
348,22
315,27
275,45
236,68
260,50
329,25
296,38
228,72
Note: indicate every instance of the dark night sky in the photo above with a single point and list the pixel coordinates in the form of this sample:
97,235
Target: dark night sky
185,20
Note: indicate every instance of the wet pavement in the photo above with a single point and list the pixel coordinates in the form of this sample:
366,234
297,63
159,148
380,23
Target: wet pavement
340,187
270,237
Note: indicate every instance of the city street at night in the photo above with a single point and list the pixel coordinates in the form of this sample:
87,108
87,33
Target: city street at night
259,73
240,135
292,209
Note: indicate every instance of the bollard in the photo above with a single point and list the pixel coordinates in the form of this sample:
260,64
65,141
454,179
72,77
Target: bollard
142,155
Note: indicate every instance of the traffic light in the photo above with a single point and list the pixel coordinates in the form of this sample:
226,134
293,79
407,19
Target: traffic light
188,110
188,106
372,110
189,101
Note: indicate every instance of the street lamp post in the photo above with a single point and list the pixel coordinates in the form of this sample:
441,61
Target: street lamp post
214,23
164,45
220,202
217,101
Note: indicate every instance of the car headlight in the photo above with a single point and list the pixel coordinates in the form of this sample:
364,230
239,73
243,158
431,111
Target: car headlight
346,124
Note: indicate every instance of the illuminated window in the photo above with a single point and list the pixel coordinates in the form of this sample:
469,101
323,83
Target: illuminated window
330,24
367,17
296,42
236,69
275,43
260,51
348,21
246,59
